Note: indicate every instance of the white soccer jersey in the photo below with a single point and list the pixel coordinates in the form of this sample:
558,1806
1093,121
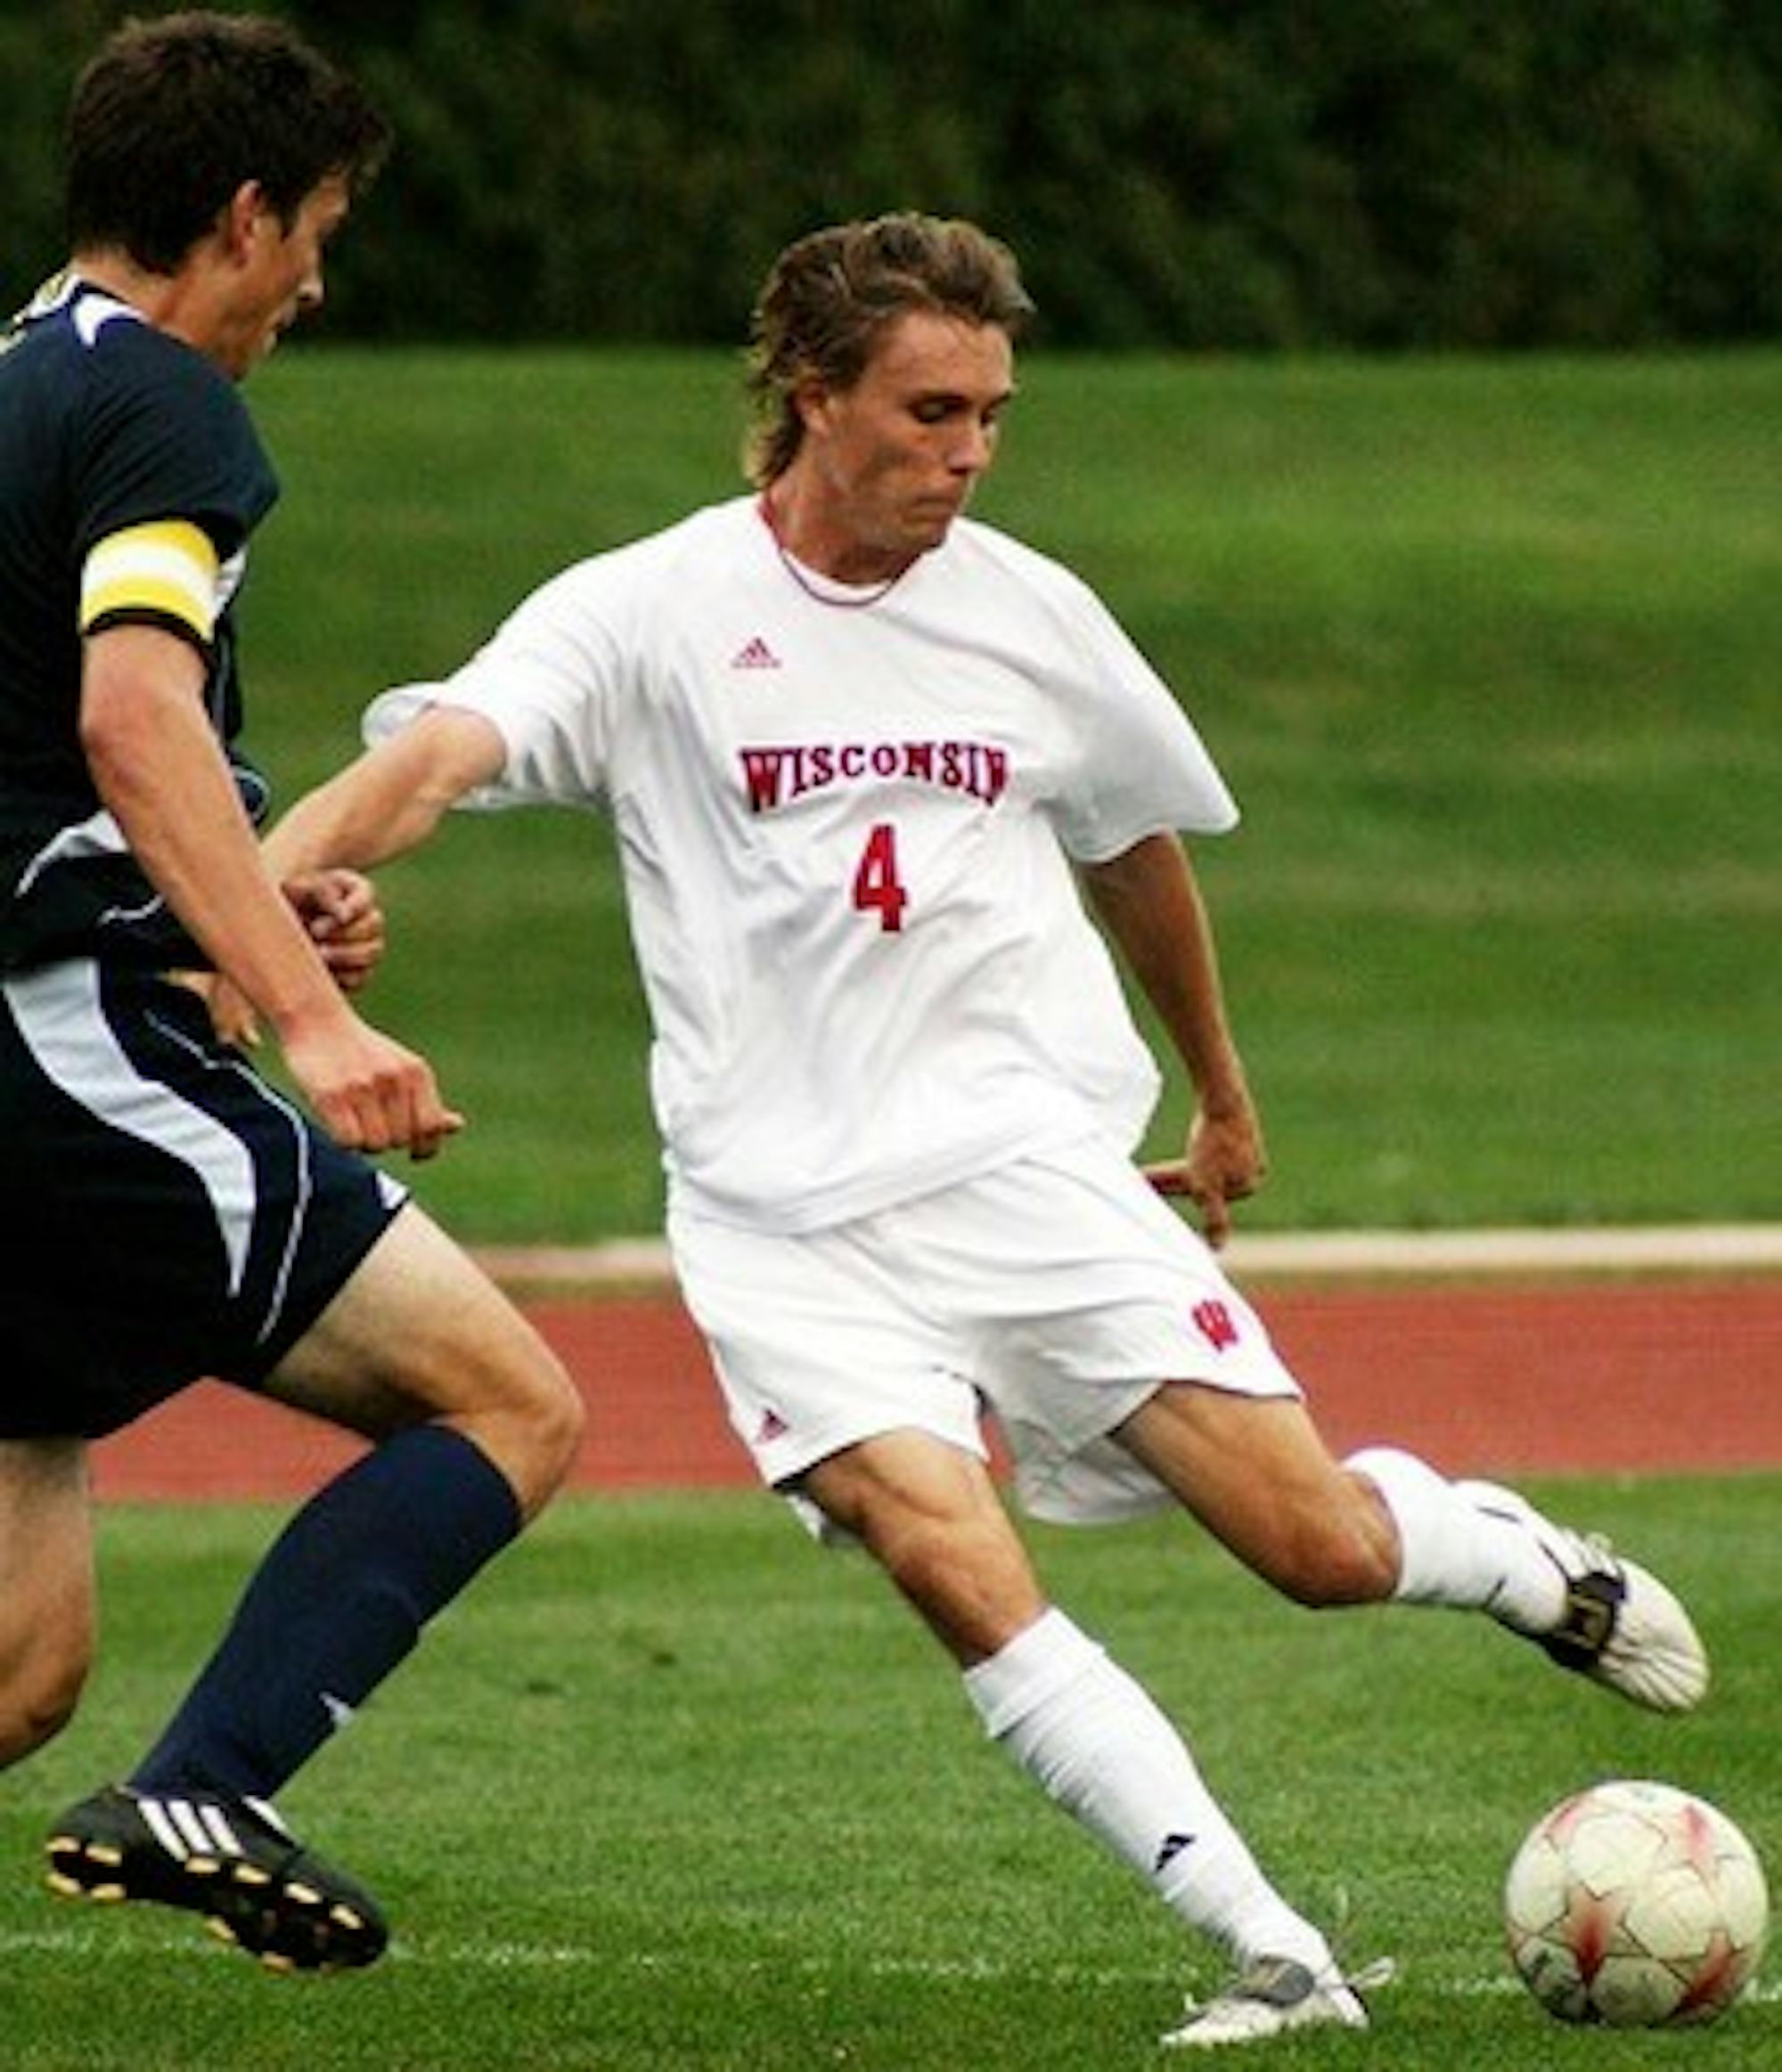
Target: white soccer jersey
846,821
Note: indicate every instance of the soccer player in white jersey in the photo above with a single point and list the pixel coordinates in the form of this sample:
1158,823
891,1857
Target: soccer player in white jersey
863,753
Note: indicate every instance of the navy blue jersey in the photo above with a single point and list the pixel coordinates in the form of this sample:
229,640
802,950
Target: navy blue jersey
164,1211
106,424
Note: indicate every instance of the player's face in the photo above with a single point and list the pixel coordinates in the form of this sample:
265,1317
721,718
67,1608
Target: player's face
891,462
280,275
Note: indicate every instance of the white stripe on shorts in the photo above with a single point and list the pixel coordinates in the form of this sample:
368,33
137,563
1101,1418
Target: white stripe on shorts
61,1017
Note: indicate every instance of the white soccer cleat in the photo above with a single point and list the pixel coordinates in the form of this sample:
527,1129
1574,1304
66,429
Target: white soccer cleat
1622,1627
1272,1995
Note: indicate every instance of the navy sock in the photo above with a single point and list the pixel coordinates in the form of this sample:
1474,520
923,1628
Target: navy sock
338,1601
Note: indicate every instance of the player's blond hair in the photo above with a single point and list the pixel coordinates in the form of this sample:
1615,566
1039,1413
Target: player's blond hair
827,299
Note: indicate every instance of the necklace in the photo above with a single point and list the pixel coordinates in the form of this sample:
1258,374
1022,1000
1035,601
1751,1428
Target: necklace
825,589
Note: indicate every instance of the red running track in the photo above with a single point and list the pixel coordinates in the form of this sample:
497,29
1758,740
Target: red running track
1606,1378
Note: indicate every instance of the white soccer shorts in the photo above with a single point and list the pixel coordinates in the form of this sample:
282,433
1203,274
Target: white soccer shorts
1059,1291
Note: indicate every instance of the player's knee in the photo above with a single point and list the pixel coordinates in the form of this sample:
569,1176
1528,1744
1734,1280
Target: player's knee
559,1418
924,1562
971,1587
38,1706
533,1428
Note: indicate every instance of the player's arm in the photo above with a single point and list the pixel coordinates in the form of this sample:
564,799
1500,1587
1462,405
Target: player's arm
381,806
392,798
1151,903
160,771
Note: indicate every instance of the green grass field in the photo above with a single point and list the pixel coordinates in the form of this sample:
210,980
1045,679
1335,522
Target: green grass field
671,1790
1487,647
1489,651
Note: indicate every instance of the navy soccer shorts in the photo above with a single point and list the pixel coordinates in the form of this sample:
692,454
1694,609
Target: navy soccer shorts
165,1214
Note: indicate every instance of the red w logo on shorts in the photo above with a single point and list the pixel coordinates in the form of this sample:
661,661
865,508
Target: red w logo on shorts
1212,1320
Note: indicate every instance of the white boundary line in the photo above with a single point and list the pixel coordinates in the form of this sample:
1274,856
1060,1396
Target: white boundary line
1335,1254
509,1957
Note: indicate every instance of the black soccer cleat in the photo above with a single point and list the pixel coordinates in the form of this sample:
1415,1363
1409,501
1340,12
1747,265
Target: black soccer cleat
232,1860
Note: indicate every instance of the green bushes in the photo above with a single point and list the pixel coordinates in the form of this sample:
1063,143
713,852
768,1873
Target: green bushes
1199,174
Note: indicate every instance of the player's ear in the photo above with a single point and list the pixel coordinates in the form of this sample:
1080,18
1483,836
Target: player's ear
247,216
812,399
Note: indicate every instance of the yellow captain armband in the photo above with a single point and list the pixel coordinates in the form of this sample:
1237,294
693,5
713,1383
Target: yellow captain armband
166,570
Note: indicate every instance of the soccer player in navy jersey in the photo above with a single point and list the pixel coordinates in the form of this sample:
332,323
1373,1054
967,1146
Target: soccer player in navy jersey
164,1213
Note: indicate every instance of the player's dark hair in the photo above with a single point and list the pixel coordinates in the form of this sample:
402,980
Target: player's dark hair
175,115
829,298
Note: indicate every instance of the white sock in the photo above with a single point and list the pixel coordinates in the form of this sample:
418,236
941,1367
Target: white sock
1453,1552
1098,1747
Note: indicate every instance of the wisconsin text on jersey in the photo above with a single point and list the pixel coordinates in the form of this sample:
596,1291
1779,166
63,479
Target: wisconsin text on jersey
774,776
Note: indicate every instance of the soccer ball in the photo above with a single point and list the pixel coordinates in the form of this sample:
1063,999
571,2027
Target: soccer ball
1635,1904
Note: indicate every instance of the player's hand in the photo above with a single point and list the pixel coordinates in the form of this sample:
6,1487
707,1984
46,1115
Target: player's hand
1224,1162
340,915
369,1091
340,910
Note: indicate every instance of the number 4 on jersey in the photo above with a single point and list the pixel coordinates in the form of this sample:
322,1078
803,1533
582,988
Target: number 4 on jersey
877,887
